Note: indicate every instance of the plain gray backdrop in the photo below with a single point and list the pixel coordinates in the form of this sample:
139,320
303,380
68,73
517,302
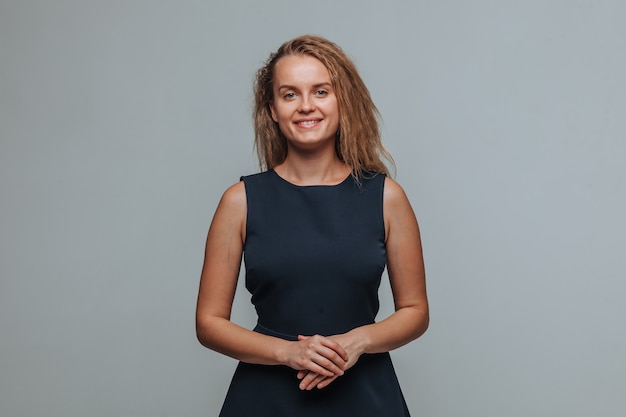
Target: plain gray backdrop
122,122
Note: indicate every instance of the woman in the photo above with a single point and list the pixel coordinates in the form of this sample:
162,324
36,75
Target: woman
316,230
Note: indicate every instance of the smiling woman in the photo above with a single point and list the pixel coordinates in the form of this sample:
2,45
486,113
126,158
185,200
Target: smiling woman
358,142
316,229
305,106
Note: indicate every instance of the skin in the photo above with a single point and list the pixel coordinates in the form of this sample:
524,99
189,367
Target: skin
305,106
306,110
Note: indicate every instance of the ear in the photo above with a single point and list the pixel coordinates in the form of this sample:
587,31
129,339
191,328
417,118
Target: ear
273,111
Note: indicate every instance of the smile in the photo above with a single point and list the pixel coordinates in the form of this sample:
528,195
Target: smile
308,123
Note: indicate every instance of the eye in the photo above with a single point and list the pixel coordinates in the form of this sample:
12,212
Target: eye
289,95
321,93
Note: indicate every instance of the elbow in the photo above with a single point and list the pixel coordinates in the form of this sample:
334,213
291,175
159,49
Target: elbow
200,336
203,333
210,331
422,323
425,324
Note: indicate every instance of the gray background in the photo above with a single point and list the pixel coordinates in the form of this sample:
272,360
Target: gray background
121,123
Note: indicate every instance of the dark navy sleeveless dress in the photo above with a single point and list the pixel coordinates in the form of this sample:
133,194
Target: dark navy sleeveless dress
314,256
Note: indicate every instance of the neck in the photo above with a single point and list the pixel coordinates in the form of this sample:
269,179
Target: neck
313,169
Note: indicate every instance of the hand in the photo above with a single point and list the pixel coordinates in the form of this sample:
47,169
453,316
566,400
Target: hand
310,379
318,354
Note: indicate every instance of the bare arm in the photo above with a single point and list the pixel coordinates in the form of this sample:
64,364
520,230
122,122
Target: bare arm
224,248
405,267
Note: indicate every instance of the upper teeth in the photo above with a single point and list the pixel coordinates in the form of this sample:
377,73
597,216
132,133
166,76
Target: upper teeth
307,122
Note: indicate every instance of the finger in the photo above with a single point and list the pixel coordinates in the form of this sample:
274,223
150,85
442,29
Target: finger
306,381
326,382
320,355
335,368
327,370
330,360
311,381
311,365
329,349
336,347
329,343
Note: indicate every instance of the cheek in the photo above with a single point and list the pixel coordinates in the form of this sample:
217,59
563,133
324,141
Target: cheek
332,108
333,111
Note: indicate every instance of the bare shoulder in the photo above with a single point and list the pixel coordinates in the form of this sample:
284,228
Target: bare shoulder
398,213
234,197
231,212
394,194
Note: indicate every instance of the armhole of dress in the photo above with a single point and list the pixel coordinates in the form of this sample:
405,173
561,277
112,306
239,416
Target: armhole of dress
245,238
382,207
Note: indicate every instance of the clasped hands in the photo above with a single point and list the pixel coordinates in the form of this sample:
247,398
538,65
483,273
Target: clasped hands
320,360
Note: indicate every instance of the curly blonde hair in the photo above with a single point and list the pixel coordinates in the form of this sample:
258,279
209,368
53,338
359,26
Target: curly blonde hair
358,142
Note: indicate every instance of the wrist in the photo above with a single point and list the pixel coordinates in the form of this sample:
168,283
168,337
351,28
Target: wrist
280,352
361,340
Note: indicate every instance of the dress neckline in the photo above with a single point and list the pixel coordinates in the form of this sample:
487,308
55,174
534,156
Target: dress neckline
345,180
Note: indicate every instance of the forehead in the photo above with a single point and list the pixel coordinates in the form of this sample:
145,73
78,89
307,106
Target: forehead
297,70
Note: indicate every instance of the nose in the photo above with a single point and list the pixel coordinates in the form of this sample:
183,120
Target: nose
306,104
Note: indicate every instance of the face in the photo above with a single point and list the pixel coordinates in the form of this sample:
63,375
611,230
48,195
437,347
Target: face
305,106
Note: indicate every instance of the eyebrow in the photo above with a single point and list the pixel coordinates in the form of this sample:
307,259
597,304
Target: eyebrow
291,87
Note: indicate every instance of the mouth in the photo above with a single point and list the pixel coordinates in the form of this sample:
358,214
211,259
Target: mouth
308,123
